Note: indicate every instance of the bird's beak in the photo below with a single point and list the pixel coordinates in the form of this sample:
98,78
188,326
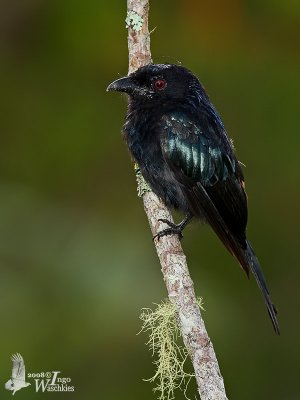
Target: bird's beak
125,84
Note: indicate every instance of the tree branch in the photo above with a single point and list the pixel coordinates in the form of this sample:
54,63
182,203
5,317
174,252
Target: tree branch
172,259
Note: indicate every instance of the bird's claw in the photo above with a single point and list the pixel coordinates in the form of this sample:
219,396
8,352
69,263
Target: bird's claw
172,230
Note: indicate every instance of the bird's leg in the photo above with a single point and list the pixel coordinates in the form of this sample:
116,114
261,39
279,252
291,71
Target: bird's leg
174,229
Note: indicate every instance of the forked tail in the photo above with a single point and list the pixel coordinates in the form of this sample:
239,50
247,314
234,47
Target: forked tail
255,268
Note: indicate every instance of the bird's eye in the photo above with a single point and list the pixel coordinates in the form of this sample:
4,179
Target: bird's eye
159,84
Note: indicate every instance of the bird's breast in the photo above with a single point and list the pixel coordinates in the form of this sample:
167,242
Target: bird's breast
144,144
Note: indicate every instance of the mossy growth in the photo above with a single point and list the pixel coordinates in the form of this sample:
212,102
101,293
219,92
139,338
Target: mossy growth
167,349
142,185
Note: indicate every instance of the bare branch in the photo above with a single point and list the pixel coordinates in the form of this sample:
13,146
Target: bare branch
138,39
173,261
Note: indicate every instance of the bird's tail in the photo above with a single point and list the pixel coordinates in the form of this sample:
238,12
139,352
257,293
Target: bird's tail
252,263
240,249
249,262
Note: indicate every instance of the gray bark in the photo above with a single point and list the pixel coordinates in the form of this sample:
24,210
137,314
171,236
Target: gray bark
172,259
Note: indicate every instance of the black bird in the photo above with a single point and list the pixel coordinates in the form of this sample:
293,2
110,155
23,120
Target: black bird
179,142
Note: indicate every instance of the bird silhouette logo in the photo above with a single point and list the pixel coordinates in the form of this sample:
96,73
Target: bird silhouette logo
17,380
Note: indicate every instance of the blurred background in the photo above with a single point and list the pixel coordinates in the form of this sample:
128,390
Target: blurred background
76,256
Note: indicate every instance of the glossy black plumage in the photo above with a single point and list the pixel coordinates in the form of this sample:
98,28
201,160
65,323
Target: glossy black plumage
179,142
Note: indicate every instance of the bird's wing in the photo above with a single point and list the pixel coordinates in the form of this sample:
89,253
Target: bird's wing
202,160
18,369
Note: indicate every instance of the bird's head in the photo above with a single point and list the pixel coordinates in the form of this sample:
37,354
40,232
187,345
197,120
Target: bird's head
159,83
9,385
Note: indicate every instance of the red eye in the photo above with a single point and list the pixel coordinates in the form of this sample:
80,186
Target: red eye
159,84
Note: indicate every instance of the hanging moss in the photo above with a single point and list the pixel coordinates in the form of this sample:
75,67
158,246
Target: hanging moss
169,354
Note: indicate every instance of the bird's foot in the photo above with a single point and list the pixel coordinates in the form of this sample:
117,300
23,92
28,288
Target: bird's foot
174,229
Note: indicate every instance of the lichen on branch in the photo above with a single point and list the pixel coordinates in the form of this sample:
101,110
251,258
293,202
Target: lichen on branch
173,264
167,348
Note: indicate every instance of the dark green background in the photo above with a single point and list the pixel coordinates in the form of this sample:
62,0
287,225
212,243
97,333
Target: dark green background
77,260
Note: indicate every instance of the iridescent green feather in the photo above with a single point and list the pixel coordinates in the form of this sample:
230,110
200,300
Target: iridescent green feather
199,157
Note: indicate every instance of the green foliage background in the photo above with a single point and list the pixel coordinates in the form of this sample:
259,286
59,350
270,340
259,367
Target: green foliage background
76,257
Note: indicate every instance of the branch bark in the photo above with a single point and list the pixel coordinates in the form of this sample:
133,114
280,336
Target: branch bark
172,259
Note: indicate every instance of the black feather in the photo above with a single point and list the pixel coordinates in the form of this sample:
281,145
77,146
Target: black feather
181,146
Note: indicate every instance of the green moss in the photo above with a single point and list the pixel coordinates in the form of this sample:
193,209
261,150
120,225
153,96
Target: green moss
134,21
142,185
169,355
